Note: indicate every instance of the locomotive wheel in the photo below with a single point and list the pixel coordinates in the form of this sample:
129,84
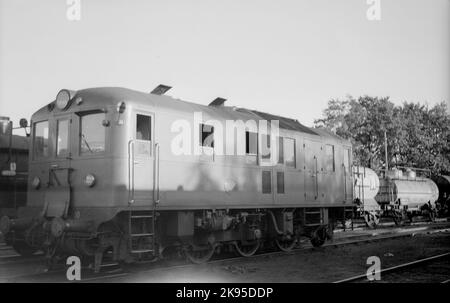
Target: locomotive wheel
248,249
317,241
372,220
318,237
285,244
199,255
24,249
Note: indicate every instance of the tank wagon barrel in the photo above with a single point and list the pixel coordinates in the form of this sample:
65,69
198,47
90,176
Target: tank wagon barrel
443,184
404,195
366,187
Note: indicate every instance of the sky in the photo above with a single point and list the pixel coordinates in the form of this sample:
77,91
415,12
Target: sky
283,57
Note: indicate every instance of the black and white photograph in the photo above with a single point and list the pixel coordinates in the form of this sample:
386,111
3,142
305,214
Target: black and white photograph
225,148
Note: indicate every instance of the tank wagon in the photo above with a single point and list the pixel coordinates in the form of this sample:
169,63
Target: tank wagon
109,171
443,184
13,169
403,196
366,187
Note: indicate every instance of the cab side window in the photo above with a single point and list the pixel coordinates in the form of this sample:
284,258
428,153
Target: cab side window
347,158
206,135
289,152
143,135
330,165
143,127
251,143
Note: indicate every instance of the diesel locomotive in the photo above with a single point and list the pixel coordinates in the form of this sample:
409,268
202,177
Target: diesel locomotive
109,172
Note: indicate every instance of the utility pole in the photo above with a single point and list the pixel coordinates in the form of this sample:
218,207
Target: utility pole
386,165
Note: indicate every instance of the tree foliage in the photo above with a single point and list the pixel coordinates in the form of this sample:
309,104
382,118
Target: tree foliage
417,136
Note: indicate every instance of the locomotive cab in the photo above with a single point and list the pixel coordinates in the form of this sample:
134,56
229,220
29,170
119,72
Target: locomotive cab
79,172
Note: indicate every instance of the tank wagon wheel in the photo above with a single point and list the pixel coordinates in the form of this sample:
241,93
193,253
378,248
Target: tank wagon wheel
347,224
200,255
371,219
24,249
247,249
398,218
284,243
432,216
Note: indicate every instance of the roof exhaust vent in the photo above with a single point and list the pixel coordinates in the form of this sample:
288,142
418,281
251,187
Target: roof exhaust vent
218,102
160,89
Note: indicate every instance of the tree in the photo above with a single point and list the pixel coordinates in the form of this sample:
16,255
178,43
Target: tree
417,136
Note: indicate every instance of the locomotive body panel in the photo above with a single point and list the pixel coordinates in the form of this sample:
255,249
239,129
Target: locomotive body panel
186,181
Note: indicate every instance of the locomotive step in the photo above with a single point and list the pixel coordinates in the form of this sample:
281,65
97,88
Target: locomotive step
141,251
141,216
311,224
142,235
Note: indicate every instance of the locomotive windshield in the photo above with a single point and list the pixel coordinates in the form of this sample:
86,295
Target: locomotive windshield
62,142
92,134
41,148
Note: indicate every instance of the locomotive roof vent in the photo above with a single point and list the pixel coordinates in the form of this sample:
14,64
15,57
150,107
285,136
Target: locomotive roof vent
218,102
160,89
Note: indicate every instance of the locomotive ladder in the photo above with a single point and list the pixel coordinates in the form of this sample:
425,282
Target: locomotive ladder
141,223
141,226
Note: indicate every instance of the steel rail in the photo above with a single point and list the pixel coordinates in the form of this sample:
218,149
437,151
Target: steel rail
394,268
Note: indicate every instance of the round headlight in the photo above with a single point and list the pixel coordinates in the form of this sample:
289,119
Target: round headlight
63,99
89,180
36,182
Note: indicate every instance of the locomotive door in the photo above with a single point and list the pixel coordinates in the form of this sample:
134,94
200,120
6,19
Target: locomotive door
141,160
57,196
347,178
312,170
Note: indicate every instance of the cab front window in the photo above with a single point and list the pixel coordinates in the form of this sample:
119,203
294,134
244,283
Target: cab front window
40,141
62,138
92,134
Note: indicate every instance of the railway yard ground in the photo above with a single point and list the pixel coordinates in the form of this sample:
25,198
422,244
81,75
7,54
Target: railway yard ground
339,260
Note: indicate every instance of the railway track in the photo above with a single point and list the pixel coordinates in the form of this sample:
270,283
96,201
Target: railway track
409,266
111,270
268,254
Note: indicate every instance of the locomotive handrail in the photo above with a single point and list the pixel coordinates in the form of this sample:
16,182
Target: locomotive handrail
131,171
317,177
156,196
345,182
